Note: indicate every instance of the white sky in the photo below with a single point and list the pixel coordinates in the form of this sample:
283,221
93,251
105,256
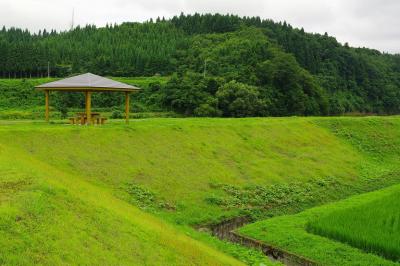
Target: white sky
369,23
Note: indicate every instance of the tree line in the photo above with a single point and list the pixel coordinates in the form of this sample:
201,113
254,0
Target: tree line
220,65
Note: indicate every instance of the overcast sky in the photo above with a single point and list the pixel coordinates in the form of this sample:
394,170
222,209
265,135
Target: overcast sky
369,23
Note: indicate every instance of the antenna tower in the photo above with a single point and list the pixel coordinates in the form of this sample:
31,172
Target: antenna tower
73,18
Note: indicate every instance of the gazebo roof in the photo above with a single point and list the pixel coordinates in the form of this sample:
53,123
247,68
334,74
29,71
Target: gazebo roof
87,82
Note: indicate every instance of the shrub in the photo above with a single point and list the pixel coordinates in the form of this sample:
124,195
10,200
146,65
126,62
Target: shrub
116,114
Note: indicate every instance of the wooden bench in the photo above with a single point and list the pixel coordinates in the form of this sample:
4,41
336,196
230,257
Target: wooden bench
82,119
74,120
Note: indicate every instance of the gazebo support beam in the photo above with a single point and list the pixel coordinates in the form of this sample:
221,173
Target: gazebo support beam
127,107
88,105
47,95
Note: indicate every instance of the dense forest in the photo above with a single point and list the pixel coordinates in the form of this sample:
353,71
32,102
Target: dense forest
220,65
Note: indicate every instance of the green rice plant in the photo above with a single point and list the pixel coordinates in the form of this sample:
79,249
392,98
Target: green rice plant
373,226
370,215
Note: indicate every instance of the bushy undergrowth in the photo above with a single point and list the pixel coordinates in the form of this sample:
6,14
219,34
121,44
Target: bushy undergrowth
285,198
146,199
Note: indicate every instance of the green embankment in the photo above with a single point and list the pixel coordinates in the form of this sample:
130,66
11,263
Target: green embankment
50,217
182,161
377,140
196,171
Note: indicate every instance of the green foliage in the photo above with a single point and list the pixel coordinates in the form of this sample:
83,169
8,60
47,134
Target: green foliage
20,93
278,198
117,114
294,91
240,100
295,73
373,226
126,50
232,55
279,86
146,199
184,94
19,99
208,109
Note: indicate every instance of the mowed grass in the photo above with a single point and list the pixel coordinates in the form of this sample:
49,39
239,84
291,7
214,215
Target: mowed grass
181,160
49,217
373,226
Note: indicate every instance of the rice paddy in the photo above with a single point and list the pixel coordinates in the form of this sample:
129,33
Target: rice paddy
373,226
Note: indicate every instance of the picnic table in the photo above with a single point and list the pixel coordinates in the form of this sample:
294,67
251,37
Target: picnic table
81,118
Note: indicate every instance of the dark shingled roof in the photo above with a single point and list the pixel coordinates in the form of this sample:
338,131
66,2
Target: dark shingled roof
87,81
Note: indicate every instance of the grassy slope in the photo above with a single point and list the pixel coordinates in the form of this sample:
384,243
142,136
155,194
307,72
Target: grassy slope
377,140
49,217
180,160
373,226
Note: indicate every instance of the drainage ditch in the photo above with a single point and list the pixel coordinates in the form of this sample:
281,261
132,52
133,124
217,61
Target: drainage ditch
226,231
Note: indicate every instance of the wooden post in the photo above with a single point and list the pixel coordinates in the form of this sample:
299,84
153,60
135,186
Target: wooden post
127,107
88,97
47,94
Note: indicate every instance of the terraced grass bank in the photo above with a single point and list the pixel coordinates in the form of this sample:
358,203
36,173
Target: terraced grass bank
181,168
120,182
366,223
49,217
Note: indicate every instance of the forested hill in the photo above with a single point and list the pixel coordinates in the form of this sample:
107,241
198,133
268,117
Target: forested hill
221,65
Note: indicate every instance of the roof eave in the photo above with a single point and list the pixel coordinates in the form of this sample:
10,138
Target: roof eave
78,89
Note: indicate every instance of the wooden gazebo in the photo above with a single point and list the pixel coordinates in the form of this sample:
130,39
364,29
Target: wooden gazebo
88,83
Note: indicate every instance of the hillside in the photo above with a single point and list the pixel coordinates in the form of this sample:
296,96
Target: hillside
86,190
206,155
279,69
50,217
213,158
